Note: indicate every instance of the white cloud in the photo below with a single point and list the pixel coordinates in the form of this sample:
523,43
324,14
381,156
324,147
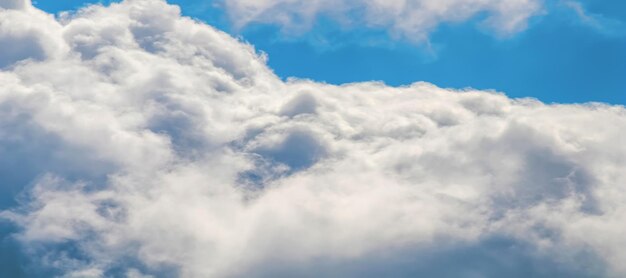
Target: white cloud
410,19
156,145
25,33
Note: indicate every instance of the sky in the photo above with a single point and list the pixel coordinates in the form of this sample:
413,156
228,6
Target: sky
320,138
568,53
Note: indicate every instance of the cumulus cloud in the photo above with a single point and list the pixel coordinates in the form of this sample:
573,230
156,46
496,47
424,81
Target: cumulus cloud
146,144
410,19
23,36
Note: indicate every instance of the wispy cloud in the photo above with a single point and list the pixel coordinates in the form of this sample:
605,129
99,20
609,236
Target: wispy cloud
605,25
412,20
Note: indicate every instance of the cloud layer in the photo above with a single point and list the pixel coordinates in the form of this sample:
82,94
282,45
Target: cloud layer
409,19
148,144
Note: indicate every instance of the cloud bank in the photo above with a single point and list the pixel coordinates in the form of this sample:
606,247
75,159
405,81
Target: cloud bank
409,19
138,143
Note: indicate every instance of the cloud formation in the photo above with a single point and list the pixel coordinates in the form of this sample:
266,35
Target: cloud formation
409,19
146,144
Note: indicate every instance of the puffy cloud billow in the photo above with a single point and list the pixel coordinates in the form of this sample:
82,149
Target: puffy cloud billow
138,143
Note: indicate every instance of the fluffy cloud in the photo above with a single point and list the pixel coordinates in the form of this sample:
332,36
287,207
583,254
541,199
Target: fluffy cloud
146,144
411,19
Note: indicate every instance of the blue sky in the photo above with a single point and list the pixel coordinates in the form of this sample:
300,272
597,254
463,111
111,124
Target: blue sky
558,58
